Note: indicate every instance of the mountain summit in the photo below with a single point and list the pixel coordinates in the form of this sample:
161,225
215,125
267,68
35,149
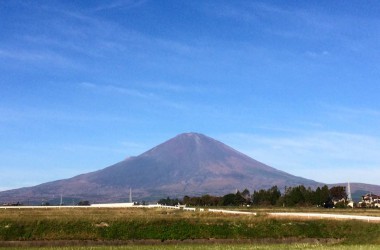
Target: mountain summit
188,164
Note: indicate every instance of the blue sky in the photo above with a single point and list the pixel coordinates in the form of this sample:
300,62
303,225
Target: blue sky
85,84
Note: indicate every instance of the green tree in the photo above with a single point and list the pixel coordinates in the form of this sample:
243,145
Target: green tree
266,197
338,193
325,195
229,200
274,195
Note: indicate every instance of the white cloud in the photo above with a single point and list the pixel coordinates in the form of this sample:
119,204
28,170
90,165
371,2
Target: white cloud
36,57
118,90
88,85
104,36
351,111
92,148
119,4
77,36
143,94
173,87
25,114
317,54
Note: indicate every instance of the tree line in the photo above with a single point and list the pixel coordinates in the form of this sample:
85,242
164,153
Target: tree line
292,196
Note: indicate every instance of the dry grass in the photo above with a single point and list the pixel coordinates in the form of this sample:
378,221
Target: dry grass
109,214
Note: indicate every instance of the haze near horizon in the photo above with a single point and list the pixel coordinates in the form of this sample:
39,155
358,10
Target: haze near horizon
291,84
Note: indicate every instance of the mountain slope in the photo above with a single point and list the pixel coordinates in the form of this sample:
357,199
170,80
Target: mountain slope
189,164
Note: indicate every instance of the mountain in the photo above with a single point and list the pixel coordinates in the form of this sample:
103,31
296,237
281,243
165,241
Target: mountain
188,164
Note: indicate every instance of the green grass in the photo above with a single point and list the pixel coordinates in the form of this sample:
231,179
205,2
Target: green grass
104,224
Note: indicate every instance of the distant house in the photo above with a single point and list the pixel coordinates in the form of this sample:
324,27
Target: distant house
370,200
347,202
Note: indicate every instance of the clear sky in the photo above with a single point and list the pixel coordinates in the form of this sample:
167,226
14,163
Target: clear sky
293,84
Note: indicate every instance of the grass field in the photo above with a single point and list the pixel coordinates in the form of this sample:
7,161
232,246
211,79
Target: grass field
218,247
163,225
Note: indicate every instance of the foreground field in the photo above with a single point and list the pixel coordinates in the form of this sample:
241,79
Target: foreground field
162,225
219,247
